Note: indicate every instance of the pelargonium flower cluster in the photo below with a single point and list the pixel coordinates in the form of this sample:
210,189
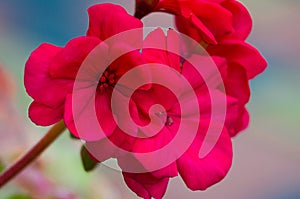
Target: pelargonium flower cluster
67,83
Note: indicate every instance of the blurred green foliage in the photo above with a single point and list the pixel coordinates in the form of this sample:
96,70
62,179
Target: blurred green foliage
19,196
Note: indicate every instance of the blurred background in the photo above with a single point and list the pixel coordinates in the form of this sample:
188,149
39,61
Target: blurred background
266,156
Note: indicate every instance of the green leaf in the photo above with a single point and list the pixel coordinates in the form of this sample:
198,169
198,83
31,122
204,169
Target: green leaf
19,196
2,167
88,163
72,136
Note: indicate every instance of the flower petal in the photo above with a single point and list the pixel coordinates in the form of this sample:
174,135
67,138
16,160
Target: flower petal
44,115
237,86
242,22
195,29
67,62
241,53
145,185
107,20
210,19
201,173
84,117
38,82
216,18
203,70
154,145
104,112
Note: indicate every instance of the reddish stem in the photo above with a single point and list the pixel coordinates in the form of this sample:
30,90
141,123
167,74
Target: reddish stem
32,154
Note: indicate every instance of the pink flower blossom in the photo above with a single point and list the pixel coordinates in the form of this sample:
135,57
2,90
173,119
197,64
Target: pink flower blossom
206,171
54,75
50,71
221,28
206,20
197,173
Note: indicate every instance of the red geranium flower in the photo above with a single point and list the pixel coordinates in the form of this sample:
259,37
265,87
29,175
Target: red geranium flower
52,73
221,27
206,20
198,173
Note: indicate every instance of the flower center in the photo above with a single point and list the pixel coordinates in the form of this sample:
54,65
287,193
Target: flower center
169,120
108,79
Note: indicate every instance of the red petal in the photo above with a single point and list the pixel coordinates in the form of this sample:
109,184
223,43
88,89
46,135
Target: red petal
210,19
241,53
195,29
236,83
44,115
38,82
199,174
242,22
107,20
67,62
104,112
145,185
89,113
216,18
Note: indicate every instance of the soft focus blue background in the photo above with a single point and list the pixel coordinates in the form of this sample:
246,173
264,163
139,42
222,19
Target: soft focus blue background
266,156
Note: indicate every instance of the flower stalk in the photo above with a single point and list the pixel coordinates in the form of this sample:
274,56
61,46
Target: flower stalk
32,154
144,7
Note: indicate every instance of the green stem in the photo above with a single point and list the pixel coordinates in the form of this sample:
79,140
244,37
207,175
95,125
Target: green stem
32,154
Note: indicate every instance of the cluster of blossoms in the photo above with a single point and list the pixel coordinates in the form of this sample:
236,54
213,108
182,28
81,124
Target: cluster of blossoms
220,27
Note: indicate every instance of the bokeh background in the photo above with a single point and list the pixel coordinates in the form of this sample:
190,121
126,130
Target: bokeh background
266,156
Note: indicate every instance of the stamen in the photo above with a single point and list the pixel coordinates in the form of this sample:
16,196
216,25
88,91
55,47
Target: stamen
107,79
169,121
102,79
